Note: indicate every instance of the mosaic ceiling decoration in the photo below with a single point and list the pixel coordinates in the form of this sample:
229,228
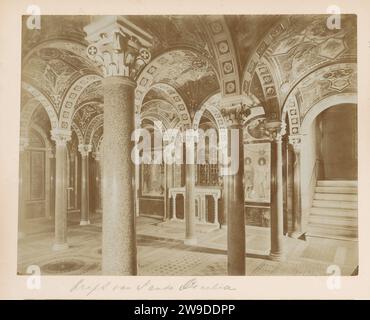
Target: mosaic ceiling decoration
53,71
285,62
175,31
309,43
247,31
86,114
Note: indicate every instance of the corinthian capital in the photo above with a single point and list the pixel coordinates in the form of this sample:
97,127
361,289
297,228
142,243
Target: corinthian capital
118,46
61,136
276,129
84,149
235,111
296,141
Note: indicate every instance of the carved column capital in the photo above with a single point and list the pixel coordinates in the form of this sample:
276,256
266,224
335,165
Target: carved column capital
276,130
118,46
61,136
296,142
84,149
235,115
235,110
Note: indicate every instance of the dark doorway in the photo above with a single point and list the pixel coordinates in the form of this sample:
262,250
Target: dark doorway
338,142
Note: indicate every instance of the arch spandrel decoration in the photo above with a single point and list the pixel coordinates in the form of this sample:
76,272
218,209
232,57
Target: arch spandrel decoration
212,105
263,46
53,117
160,110
93,125
168,66
78,132
225,55
339,79
177,102
71,97
74,47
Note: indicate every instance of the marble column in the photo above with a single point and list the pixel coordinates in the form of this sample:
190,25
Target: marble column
174,207
97,200
216,218
48,182
119,47
233,189
277,130
295,141
190,237
84,150
61,137
22,227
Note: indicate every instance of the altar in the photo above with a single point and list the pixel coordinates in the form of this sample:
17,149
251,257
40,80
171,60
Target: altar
201,192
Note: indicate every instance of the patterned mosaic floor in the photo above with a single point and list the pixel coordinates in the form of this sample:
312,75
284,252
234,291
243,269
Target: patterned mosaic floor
161,251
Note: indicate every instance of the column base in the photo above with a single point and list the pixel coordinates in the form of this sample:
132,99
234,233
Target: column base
60,246
223,226
296,234
191,242
84,222
276,256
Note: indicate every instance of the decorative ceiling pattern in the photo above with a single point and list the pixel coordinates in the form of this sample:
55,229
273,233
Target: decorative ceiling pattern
246,32
328,81
287,63
174,31
308,44
211,105
193,76
84,115
162,111
72,96
53,71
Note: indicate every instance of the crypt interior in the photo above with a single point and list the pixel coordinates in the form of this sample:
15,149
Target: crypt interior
286,83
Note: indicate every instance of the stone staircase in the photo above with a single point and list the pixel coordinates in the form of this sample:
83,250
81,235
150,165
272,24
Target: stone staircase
334,210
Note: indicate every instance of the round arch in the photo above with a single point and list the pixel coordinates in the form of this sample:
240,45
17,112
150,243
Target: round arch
211,104
315,110
67,109
48,106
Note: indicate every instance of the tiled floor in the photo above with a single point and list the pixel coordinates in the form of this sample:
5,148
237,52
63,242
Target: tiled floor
161,251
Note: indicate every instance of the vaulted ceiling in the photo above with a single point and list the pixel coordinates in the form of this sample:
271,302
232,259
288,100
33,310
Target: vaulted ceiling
195,57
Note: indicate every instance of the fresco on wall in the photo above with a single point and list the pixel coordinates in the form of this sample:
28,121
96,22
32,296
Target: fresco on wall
257,172
152,180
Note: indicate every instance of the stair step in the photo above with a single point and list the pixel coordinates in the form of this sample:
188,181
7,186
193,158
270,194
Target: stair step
334,196
338,212
332,231
347,190
336,183
334,204
333,221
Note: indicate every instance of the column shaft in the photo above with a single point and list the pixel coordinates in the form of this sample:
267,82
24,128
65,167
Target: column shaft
190,204
85,220
234,196
277,213
174,207
297,225
119,239
60,197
